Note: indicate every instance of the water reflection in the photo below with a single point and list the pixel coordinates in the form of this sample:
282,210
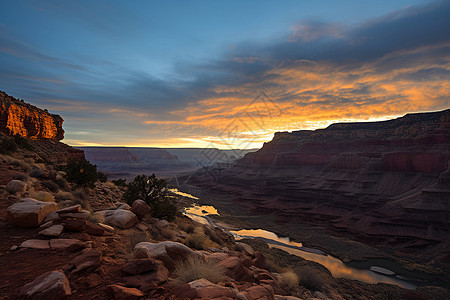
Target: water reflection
339,270
199,213
180,193
261,233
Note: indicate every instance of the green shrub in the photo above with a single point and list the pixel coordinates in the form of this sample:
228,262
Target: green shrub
82,173
194,268
120,182
154,192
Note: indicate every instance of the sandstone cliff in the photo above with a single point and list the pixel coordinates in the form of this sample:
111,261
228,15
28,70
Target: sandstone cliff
18,117
380,182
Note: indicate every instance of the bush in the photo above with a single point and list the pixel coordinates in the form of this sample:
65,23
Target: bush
62,196
7,145
61,182
196,241
154,192
289,279
82,173
195,268
120,182
53,187
42,196
310,279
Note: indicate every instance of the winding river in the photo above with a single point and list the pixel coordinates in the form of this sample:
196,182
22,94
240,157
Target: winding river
374,271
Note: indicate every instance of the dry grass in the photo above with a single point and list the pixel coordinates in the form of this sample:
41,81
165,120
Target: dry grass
310,279
15,162
62,196
194,268
96,218
132,237
289,280
42,196
197,241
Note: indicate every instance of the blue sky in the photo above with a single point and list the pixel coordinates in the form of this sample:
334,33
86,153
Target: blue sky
179,73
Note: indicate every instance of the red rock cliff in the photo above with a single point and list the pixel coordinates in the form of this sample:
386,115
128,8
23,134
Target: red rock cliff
18,117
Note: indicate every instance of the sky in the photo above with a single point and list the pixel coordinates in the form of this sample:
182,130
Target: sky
224,74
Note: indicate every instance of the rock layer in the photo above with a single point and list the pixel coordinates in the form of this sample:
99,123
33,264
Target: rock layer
26,120
381,182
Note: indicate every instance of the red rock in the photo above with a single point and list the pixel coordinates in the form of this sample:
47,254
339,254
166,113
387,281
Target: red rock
203,289
123,293
88,258
244,248
148,280
71,209
94,229
140,208
259,292
51,285
259,261
20,118
75,224
139,266
29,212
235,269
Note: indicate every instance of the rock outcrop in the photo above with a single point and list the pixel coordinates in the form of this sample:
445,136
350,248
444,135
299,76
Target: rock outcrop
29,212
382,182
18,117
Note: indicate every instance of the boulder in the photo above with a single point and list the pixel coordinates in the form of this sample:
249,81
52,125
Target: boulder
203,289
16,186
168,252
29,212
78,225
140,208
235,269
52,231
119,218
139,266
123,293
259,292
94,229
244,248
87,259
52,217
78,215
52,285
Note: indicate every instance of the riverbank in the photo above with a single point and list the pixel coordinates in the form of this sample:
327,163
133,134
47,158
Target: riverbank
352,252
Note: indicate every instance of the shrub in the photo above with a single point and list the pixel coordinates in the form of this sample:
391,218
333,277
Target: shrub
42,196
194,268
289,279
82,173
7,145
154,192
196,241
37,173
53,187
96,218
62,196
310,279
61,182
120,182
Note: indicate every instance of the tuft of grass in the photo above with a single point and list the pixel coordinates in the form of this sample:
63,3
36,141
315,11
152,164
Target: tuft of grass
196,241
289,280
194,268
16,162
96,218
61,182
42,196
310,279
62,196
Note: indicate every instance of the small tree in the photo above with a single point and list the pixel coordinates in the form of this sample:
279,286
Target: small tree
154,192
82,173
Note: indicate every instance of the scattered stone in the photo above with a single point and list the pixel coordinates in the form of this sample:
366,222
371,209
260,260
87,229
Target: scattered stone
280,297
87,259
71,209
106,227
121,205
140,208
16,186
94,229
63,243
13,248
203,289
123,293
166,251
52,231
53,216
141,226
161,224
46,224
259,292
139,266
244,248
149,280
35,244
235,269
119,218
29,212
51,285
79,215
75,224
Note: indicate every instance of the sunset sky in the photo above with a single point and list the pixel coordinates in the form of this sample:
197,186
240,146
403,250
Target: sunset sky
230,73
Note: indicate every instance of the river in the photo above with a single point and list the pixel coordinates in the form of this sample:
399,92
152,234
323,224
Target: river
374,271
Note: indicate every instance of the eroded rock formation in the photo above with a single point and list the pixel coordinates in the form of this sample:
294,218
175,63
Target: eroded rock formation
18,117
382,182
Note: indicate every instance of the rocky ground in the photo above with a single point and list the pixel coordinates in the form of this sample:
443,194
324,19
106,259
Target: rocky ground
73,243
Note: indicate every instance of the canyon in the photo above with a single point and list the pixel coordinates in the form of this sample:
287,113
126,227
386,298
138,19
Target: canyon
383,183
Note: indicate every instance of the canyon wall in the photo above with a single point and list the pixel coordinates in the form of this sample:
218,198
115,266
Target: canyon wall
18,117
380,182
